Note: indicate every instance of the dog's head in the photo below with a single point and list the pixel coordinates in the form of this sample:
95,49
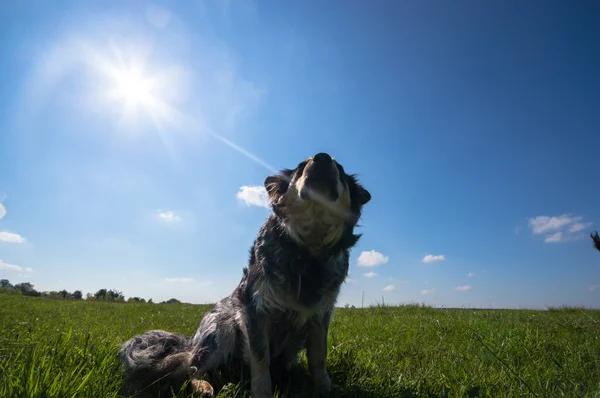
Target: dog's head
317,201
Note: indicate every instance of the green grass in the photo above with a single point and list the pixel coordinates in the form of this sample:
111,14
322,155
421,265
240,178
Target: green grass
69,349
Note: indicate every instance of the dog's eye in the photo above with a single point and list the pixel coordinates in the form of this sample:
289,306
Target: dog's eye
301,167
297,172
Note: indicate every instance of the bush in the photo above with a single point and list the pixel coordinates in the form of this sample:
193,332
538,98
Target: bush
10,290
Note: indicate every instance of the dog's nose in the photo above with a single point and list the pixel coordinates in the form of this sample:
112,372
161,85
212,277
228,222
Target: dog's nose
322,157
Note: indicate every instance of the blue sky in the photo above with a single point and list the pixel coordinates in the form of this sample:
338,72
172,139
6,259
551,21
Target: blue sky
135,136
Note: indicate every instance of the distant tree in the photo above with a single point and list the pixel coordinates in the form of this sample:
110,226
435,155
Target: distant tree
64,294
150,301
115,295
100,294
135,300
596,240
172,301
77,295
52,295
5,283
109,295
27,289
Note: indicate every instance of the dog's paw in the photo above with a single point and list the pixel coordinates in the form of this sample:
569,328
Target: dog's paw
322,383
262,390
202,388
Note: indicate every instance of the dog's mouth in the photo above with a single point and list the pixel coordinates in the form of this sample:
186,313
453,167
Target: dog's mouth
320,179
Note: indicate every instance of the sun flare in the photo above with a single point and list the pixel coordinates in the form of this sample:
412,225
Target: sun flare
133,87
135,90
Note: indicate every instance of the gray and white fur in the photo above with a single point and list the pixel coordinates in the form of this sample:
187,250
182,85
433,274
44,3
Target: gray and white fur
284,301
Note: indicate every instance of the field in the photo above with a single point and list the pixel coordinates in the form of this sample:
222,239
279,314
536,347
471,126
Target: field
62,348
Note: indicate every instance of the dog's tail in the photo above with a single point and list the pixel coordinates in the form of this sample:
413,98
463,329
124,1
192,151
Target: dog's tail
155,360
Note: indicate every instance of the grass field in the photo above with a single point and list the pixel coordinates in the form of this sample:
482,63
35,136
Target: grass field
69,348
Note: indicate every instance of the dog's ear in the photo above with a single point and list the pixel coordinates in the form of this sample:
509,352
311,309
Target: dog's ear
357,191
277,185
363,195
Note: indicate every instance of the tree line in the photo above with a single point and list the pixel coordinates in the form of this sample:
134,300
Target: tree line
27,289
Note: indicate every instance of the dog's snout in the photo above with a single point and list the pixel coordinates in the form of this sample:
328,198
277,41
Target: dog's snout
322,157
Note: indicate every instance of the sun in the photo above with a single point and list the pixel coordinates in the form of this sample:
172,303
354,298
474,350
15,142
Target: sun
133,89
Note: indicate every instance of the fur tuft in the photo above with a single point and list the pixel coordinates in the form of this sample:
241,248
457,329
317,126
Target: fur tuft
157,358
596,240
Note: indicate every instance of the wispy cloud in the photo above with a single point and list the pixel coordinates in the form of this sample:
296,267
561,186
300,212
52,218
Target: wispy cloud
389,288
254,195
427,291
518,229
350,280
168,216
558,228
10,237
579,226
371,259
470,274
554,238
593,287
2,211
432,259
13,267
179,280
369,274
463,288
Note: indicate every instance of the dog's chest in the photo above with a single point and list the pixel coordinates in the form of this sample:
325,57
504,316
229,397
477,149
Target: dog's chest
313,284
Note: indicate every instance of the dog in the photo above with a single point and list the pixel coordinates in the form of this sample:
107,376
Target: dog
286,296
596,240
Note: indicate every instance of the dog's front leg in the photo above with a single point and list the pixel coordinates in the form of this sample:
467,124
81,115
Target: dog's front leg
316,354
257,330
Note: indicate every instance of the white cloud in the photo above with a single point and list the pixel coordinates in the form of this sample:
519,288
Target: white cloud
558,228
168,216
470,274
389,288
542,224
179,280
12,267
427,291
431,258
371,259
579,226
2,211
10,237
464,288
593,287
369,274
554,238
350,280
254,195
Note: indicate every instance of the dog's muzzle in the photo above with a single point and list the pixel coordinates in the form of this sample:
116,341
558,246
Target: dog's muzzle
320,177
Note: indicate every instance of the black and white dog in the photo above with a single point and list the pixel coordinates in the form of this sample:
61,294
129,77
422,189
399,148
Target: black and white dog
285,299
